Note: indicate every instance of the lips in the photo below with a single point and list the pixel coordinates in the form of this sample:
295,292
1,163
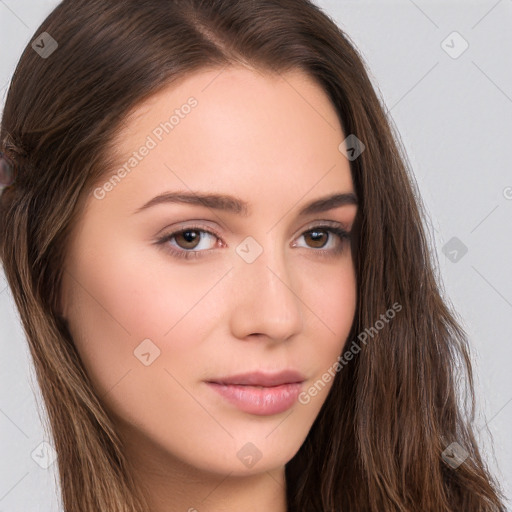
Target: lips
260,393
261,379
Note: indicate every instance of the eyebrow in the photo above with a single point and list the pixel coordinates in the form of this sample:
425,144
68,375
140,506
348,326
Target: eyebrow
237,206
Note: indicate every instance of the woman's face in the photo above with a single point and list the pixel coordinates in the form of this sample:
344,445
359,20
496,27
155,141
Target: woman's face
157,318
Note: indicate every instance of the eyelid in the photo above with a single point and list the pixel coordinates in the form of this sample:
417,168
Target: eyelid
330,223
182,226
203,225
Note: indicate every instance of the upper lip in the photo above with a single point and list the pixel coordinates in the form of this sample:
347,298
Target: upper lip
260,378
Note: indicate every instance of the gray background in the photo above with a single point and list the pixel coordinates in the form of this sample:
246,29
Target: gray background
454,116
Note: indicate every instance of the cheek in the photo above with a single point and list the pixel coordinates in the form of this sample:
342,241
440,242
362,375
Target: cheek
127,297
142,292
331,307
113,313
330,298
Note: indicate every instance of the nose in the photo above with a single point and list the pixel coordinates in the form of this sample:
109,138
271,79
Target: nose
266,302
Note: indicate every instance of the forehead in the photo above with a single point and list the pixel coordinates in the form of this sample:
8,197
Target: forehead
234,128
253,91
235,105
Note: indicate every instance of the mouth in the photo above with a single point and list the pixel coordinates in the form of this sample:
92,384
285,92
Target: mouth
260,393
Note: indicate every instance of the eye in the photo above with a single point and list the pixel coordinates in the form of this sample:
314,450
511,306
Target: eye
187,242
320,236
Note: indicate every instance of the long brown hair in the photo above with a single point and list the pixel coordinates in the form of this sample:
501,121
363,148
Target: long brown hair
378,441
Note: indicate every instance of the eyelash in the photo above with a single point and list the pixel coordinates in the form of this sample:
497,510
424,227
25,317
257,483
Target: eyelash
341,233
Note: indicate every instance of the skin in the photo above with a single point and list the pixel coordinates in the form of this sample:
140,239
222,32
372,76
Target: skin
271,140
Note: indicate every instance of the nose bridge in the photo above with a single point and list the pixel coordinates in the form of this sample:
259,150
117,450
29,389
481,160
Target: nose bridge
268,301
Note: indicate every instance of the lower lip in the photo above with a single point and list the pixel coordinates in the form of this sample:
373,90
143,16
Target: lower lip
259,400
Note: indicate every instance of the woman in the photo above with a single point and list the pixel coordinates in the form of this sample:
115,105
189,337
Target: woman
220,264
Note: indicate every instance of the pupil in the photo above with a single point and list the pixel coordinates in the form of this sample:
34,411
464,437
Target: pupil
186,233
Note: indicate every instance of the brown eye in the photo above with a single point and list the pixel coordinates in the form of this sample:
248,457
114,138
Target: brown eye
190,242
328,240
186,243
188,239
318,237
